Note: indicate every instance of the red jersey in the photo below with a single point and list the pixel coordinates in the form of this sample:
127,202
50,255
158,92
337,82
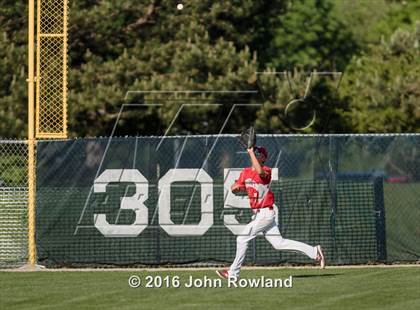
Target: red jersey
257,187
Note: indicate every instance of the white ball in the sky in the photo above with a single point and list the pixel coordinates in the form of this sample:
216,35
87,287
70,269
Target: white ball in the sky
180,6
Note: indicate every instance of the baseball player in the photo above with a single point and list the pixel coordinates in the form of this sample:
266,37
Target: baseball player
255,181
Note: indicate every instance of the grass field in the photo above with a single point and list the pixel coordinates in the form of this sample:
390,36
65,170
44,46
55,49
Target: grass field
332,288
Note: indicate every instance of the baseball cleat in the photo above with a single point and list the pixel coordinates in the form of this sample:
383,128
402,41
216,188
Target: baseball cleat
320,256
224,274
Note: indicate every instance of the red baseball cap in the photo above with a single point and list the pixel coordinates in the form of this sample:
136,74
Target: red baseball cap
261,150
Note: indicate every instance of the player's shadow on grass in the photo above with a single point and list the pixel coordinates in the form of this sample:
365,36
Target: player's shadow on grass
316,275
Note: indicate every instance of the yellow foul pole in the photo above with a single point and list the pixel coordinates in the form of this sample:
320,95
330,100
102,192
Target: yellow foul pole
31,134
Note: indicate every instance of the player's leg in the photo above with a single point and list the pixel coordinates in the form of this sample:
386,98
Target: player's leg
279,243
259,224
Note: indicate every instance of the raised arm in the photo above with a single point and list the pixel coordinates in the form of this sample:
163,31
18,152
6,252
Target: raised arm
255,164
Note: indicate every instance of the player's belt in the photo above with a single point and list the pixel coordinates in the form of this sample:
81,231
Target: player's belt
266,207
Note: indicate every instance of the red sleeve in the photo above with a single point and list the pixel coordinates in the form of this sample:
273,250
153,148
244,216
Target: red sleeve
267,176
241,180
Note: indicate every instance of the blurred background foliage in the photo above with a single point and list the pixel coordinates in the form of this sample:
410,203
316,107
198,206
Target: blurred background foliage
121,46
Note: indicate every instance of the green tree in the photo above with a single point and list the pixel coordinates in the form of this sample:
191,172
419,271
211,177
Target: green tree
109,27
146,34
301,101
372,21
189,62
311,35
118,47
13,69
382,86
13,91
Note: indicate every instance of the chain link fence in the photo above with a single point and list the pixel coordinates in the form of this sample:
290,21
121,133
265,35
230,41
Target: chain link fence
13,203
357,195
51,113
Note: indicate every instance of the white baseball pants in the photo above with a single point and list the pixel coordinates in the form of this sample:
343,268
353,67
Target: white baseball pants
264,221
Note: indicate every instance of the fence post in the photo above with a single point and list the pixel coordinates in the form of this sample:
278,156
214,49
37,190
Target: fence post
378,189
333,165
31,135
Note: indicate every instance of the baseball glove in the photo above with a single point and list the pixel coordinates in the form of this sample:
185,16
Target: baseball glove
240,192
248,138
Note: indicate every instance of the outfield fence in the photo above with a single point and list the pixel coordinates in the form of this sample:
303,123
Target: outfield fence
13,203
165,200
